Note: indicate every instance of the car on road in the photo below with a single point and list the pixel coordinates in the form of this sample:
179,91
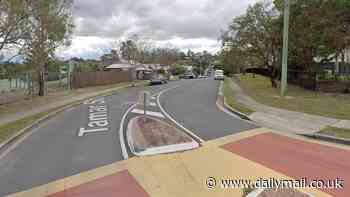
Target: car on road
158,81
188,76
219,75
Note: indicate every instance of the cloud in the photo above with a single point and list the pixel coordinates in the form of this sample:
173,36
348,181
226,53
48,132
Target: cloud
192,24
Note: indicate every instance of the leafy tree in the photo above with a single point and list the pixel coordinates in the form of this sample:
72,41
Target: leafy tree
252,40
50,26
318,29
13,22
129,50
177,69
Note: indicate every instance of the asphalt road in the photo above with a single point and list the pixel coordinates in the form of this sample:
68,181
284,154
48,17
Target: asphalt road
194,106
54,150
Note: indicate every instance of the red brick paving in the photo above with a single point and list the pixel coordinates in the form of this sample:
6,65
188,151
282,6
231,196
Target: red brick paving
297,159
117,185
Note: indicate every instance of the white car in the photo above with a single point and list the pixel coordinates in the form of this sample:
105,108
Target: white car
219,75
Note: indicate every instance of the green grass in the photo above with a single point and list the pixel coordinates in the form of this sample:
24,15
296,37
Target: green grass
12,128
230,100
297,99
336,132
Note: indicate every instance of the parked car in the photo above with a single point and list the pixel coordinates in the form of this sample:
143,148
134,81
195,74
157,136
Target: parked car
158,81
219,75
189,76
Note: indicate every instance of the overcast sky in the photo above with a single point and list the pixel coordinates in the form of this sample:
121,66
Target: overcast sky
185,24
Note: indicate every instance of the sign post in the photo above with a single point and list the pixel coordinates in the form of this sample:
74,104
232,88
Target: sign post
69,75
284,82
144,100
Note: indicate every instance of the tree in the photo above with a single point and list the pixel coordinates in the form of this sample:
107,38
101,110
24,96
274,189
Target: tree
129,50
177,69
13,22
50,26
253,40
319,29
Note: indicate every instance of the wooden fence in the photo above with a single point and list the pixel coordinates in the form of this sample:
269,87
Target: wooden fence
87,79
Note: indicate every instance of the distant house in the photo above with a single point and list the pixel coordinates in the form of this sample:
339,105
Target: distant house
119,67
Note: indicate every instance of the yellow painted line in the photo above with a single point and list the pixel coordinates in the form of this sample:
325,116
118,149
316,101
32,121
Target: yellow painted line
184,174
180,174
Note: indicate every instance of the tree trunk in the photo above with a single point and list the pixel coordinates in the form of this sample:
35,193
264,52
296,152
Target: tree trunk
42,81
273,77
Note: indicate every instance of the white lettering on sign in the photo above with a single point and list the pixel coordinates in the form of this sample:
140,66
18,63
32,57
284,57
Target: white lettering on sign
98,117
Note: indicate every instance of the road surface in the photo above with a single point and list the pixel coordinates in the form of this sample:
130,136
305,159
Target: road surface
55,150
194,106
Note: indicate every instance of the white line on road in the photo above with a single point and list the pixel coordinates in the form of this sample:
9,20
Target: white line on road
121,132
150,113
172,119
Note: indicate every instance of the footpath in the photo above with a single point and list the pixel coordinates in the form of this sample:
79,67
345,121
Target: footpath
60,102
285,120
222,167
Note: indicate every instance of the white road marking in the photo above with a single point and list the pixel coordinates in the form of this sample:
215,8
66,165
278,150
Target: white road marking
172,119
153,104
98,117
121,132
168,149
150,113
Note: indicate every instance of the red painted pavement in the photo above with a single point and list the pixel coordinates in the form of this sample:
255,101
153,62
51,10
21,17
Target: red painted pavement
297,159
117,185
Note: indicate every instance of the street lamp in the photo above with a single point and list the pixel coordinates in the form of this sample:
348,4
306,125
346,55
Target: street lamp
284,82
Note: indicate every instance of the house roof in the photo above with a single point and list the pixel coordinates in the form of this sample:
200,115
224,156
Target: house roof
143,69
119,66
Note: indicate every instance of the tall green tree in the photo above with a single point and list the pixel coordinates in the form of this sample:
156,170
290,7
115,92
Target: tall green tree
13,22
253,40
50,26
319,29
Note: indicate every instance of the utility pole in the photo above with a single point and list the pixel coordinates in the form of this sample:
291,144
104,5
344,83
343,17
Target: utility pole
284,80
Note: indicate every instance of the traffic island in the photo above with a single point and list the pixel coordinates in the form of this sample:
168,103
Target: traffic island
149,136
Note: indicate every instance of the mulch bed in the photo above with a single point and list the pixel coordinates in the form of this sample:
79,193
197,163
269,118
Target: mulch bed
149,132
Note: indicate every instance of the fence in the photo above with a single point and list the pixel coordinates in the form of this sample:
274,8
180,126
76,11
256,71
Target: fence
15,87
307,80
87,79
315,81
20,86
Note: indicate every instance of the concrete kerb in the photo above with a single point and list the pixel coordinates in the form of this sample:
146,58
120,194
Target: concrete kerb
327,138
121,132
194,136
221,99
159,150
7,143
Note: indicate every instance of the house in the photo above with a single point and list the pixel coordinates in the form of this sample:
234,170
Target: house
119,67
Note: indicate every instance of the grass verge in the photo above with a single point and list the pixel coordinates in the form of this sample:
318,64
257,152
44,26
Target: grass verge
10,129
336,132
230,100
297,99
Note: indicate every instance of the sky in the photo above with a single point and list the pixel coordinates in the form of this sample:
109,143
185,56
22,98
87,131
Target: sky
185,24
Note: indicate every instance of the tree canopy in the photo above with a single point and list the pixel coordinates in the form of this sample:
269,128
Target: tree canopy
319,32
